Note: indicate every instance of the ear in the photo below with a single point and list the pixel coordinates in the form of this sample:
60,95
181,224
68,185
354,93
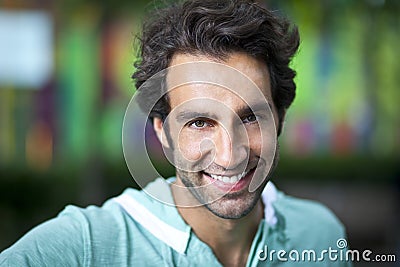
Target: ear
158,127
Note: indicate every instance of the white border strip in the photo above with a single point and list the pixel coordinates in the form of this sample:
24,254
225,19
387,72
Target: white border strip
269,195
173,237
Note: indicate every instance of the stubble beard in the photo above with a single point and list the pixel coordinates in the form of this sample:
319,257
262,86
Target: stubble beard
231,205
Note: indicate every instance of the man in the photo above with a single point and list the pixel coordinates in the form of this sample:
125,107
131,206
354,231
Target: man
217,109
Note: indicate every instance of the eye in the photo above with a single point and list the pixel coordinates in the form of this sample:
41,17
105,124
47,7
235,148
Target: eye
250,118
198,124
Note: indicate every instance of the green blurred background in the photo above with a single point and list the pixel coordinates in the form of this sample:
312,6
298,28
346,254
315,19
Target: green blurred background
65,70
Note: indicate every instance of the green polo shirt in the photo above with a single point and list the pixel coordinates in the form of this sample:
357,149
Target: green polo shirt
135,229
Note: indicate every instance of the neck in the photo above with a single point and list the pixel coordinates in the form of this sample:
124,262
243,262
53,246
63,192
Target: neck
230,239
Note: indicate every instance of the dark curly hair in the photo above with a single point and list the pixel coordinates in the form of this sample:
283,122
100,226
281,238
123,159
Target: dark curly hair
217,28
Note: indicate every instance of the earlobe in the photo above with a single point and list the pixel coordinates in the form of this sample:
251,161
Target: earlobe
158,126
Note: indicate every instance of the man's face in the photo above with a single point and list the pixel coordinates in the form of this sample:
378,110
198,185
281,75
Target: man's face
220,136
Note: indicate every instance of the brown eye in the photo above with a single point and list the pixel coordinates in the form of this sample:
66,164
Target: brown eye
250,118
199,124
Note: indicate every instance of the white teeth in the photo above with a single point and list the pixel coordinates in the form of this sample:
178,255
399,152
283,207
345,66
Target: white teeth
234,179
226,179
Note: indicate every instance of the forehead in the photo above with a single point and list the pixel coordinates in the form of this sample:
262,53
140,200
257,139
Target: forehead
239,80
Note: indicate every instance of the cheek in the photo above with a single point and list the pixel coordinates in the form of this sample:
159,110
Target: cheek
262,135
256,140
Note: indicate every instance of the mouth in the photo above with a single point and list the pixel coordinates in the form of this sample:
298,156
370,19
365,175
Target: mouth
233,183
228,179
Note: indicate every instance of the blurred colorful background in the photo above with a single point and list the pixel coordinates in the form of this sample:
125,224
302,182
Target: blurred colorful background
65,70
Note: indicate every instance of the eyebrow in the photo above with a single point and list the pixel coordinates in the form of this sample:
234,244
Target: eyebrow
254,108
185,115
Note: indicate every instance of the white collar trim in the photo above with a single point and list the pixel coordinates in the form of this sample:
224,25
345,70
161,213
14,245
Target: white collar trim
173,237
269,195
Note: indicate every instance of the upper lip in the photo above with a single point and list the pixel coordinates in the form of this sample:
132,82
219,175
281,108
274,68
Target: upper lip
224,174
244,168
230,174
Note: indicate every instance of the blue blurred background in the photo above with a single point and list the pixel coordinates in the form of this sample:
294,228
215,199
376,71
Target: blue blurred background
65,70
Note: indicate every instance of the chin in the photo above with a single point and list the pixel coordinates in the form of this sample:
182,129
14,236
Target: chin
226,205
234,206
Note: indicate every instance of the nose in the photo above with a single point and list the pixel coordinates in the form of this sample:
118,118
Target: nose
231,149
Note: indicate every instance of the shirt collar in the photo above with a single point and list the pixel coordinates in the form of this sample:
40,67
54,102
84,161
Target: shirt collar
164,221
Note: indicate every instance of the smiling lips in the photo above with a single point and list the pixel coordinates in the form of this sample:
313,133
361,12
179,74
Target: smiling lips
228,179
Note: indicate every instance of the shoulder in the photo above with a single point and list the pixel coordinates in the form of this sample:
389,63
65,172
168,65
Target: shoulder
74,237
307,211
308,222
61,239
